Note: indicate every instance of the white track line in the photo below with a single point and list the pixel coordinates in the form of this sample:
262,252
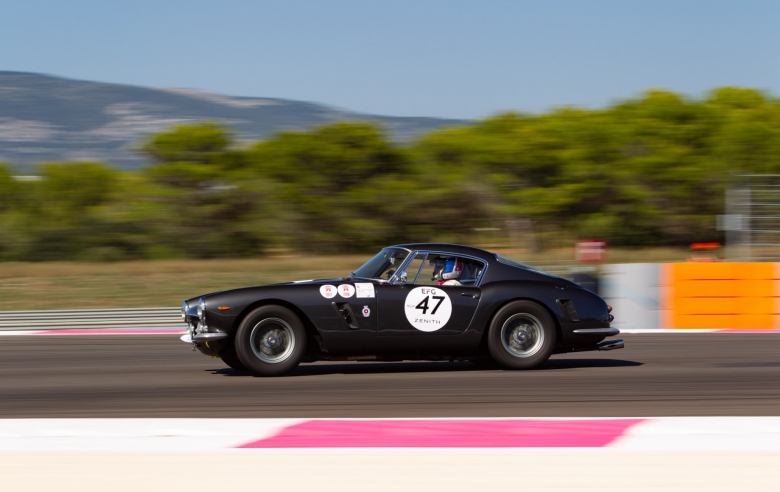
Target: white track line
133,434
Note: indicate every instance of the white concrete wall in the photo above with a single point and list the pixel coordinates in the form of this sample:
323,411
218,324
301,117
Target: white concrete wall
633,291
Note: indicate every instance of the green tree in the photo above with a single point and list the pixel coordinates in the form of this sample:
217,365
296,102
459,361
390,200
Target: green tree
326,181
198,205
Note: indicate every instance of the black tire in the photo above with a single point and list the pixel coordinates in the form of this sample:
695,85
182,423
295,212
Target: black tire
522,335
231,359
270,341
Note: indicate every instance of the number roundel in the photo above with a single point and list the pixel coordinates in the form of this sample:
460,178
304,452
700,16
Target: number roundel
428,308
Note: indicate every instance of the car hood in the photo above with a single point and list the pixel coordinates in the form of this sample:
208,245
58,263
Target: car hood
257,288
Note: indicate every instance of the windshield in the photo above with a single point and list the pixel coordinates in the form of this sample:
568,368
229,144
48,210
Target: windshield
383,265
519,264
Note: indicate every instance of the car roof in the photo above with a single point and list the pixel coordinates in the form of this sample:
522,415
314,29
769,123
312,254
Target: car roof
457,249
498,270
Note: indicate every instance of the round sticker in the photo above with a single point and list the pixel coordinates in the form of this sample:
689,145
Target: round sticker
428,308
328,291
346,290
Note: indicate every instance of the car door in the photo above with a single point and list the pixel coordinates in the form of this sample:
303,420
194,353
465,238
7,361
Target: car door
413,306
345,314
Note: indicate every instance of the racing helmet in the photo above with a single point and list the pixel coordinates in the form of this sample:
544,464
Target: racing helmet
453,267
438,266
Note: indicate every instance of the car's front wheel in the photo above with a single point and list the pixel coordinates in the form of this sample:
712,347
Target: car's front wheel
270,341
522,335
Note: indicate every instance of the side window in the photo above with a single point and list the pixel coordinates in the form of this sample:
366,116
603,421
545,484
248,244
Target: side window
449,270
428,273
410,274
472,270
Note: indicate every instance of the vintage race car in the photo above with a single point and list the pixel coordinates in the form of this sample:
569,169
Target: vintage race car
409,302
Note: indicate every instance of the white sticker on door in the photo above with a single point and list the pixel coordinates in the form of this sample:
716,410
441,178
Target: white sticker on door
428,308
364,290
328,291
346,290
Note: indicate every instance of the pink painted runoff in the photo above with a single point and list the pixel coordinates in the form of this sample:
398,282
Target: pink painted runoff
511,433
113,331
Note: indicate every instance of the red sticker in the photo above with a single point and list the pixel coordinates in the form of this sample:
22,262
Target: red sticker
328,291
346,290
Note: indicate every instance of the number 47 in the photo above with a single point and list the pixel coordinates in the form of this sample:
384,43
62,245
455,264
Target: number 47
424,304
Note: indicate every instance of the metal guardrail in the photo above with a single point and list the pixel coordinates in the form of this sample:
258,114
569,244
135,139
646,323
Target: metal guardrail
91,318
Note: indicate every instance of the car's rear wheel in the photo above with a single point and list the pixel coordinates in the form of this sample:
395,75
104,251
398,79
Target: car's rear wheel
270,341
521,336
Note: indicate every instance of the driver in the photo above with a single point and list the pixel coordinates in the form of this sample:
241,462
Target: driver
446,271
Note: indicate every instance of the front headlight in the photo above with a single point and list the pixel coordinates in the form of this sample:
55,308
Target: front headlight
201,309
184,308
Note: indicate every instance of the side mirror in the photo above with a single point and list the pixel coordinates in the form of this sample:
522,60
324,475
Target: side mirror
399,279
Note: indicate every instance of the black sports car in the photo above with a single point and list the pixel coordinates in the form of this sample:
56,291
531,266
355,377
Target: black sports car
409,302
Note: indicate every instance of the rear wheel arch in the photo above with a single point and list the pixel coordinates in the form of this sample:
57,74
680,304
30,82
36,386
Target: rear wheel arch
558,332
522,335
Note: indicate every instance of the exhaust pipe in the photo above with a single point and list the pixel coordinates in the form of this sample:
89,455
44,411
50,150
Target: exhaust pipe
611,345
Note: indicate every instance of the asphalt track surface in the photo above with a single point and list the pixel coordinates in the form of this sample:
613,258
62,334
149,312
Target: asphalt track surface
720,374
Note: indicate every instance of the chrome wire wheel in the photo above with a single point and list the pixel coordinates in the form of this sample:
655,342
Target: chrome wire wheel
522,335
272,340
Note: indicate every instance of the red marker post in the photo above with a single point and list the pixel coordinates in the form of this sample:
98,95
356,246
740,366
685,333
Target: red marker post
590,250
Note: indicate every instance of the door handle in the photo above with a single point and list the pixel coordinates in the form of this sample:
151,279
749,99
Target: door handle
468,294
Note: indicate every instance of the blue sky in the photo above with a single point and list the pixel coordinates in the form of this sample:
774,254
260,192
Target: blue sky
408,58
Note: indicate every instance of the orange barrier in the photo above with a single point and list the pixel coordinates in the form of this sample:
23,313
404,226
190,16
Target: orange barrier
720,295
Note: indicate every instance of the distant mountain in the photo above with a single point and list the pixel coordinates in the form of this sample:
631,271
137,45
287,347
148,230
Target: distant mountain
44,118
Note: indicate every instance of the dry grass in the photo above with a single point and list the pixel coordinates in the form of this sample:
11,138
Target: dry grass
28,286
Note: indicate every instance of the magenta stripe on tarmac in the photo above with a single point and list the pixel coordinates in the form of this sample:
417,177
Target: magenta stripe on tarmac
169,331
512,433
112,331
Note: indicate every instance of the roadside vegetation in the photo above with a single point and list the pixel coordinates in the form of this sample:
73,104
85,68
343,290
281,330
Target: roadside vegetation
166,283
646,172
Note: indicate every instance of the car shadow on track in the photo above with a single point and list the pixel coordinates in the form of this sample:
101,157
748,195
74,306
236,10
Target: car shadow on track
326,368
557,364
